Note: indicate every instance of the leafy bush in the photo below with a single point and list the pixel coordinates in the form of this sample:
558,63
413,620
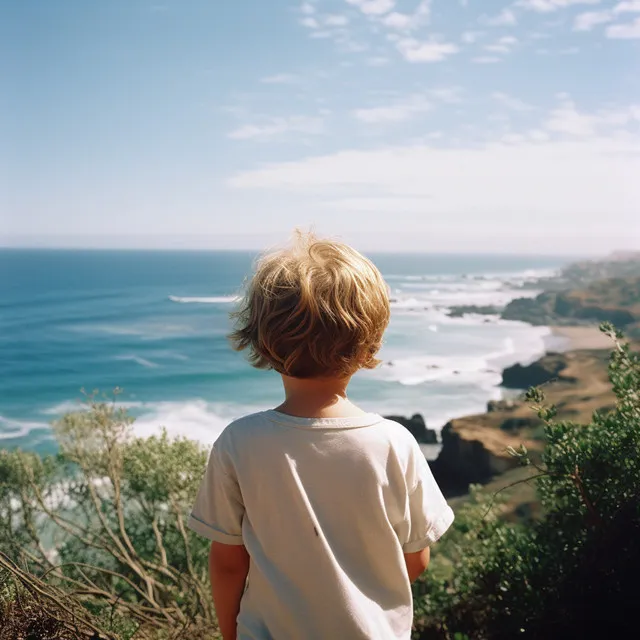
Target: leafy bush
106,520
574,573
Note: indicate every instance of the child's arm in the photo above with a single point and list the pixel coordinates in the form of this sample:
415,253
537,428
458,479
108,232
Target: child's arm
417,563
228,569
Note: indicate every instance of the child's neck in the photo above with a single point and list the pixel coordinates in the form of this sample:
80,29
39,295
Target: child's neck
317,398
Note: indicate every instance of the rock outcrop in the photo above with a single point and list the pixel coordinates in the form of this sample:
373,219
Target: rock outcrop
474,448
418,428
548,368
615,300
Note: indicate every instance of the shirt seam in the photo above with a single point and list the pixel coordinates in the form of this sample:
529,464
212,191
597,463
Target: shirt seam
322,427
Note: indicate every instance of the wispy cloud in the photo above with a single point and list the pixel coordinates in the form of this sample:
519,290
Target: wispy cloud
469,37
408,21
502,45
510,102
631,6
335,20
307,8
451,95
431,51
280,78
485,59
628,31
378,61
590,19
549,6
310,22
271,128
373,7
505,18
567,119
396,112
578,175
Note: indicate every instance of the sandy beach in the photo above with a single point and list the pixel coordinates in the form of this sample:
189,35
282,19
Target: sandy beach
574,338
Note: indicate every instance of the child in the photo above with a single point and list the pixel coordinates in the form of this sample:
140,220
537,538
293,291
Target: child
327,509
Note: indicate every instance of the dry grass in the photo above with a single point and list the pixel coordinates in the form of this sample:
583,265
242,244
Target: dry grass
30,609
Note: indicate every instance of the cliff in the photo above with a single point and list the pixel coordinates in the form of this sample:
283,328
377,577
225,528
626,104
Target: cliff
474,447
417,427
615,300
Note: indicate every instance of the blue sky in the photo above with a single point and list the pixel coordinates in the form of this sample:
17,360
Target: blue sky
436,125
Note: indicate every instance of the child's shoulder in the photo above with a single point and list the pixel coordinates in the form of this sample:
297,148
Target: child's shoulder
244,425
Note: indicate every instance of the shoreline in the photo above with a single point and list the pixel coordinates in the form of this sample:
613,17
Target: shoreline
578,338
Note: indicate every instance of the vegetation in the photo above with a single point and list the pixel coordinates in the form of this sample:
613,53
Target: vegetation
572,574
579,275
105,520
615,300
95,537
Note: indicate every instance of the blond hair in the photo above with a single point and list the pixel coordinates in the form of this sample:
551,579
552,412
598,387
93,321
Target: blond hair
317,309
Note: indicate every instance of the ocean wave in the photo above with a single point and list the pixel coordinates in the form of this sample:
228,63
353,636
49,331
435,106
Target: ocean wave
204,299
480,296
195,419
12,429
483,371
143,362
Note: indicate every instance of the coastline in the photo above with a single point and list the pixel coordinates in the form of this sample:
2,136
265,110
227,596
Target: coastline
577,338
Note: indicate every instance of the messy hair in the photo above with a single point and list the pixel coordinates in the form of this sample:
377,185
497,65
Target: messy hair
316,309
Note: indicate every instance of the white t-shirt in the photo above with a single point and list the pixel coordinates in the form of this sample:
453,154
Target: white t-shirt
326,507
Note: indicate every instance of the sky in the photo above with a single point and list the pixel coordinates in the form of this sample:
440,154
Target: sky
421,125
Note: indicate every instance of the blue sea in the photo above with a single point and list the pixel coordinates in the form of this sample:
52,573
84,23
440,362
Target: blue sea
154,323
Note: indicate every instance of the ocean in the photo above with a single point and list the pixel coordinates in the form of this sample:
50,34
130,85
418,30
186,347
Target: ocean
154,323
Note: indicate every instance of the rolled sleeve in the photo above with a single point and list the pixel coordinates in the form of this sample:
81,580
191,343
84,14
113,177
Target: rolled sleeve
429,514
218,511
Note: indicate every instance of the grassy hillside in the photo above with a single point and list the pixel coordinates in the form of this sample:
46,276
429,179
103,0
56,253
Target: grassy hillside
615,300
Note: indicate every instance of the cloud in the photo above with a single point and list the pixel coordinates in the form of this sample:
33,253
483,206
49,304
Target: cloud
416,51
586,21
565,182
633,6
469,37
566,119
335,20
548,6
504,18
502,45
485,59
378,61
451,95
373,7
396,112
307,8
276,127
310,23
408,21
280,78
628,31
515,104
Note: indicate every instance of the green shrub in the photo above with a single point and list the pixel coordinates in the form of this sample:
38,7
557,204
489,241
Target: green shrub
574,573
106,519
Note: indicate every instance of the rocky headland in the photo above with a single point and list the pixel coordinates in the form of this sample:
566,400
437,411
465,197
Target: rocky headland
474,448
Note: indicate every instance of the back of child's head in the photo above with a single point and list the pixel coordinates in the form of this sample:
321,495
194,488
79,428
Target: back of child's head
317,309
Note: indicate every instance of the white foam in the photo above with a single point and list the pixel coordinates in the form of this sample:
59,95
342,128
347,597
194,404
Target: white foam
68,406
483,370
205,300
194,419
12,429
148,331
143,362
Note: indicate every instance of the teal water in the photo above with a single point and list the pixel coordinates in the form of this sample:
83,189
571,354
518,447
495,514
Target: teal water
154,323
